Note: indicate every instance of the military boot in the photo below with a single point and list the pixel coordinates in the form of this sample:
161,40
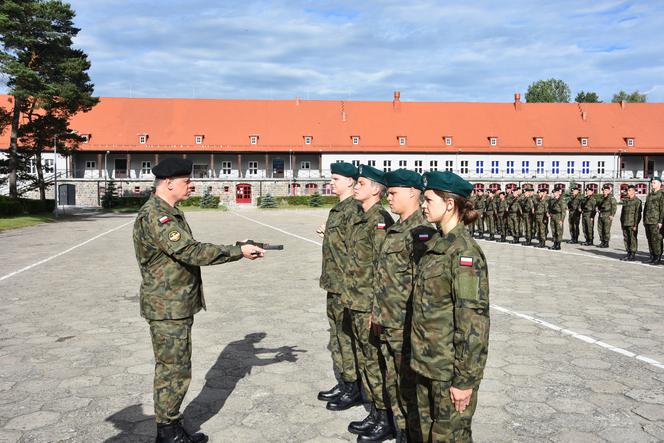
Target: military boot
627,257
349,398
174,433
541,244
657,260
402,436
502,239
333,393
381,430
632,256
360,427
514,241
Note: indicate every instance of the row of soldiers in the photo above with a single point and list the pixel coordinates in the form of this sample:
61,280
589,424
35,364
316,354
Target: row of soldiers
390,304
522,213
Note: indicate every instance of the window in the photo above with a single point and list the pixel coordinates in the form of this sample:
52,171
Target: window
307,139
479,167
227,189
584,141
142,139
137,189
356,140
510,166
327,189
539,141
630,142
311,188
49,167
253,168
555,167
90,164
418,166
146,168
433,165
198,139
226,168
493,141
305,165
448,141
495,167
201,171
371,163
253,139
356,163
570,167
585,167
387,165
294,188
525,167
403,163
540,167
402,141
600,167
464,166
449,165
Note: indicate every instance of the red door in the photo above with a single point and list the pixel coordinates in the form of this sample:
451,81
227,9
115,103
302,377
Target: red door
243,193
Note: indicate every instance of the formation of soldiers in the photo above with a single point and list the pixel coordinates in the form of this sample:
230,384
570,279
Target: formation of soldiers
523,214
407,304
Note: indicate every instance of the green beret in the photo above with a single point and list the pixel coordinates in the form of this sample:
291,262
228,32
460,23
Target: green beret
448,182
403,178
372,174
173,167
659,179
345,169
631,187
606,186
589,188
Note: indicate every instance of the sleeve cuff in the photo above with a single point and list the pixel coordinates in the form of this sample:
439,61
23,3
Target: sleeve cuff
235,252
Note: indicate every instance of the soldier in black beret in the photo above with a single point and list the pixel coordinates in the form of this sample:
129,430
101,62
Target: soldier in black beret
173,167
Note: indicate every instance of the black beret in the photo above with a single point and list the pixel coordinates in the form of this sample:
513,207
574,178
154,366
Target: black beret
606,186
631,187
372,174
589,188
448,182
403,178
345,169
173,167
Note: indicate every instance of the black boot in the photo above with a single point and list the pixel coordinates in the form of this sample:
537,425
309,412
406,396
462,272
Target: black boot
382,429
175,433
627,257
349,398
631,256
402,436
657,260
333,393
557,246
502,239
360,427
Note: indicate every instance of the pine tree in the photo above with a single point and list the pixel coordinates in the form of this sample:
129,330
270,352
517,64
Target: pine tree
208,201
110,197
316,200
268,202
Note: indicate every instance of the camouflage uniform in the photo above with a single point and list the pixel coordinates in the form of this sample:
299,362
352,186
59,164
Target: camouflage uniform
542,219
171,293
490,216
514,217
528,208
574,216
335,261
630,217
503,207
480,205
607,208
450,333
653,213
366,237
472,227
396,266
557,209
588,209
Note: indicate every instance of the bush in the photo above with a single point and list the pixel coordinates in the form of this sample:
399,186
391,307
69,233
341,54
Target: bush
14,207
301,200
316,200
131,202
10,207
267,202
208,200
110,197
191,201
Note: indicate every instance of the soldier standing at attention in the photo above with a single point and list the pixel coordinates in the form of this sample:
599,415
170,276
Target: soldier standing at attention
366,236
630,217
541,218
503,207
480,205
607,208
490,214
574,215
514,215
172,290
528,210
335,260
588,209
473,201
557,209
653,219
450,332
396,267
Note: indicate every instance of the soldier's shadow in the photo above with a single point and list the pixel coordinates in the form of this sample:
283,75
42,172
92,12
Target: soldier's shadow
233,364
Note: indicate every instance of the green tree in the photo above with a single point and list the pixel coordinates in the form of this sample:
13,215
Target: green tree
268,202
587,97
548,91
46,77
110,197
316,200
634,97
208,200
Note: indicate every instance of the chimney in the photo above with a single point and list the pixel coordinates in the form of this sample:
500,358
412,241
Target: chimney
623,103
584,115
396,103
517,101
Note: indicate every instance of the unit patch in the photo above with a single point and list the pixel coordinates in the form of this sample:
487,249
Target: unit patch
466,261
174,236
164,219
380,226
423,236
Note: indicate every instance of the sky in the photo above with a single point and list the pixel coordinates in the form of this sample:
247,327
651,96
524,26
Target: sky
477,50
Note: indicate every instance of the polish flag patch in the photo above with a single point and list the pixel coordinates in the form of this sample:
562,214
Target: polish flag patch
466,261
164,219
380,226
423,236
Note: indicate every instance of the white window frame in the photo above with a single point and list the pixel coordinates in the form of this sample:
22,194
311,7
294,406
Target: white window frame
509,168
305,164
539,141
355,163
493,141
449,165
601,167
570,167
355,139
198,139
463,167
525,167
387,165
585,167
448,141
308,139
584,141
418,166
49,166
90,165
555,167
226,167
630,142
146,167
403,163
142,139
253,139
479,166
371,163
540,167
252,167
495,167
402,140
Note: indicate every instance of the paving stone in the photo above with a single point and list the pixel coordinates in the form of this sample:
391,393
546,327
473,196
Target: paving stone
33,421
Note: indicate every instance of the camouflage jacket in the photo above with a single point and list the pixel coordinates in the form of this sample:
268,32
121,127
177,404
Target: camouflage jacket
653,211
396,265
513,205
170,260
574,204
450,331
542,206
527,205
503,207
335,249
631,212
589,206
607,206
365,239
491,204
480,204
557,208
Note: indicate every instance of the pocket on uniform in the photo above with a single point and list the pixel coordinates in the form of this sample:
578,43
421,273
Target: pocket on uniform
171,342
443,406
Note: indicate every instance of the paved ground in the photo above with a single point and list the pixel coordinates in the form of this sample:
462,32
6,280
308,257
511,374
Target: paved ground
76,364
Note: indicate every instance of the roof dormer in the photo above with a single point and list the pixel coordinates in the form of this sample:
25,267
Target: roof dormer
447,140
630,142
493,140
584,141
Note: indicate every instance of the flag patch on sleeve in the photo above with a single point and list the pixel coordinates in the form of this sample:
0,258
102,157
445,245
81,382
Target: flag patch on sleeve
164,219
466,261
380,226
423,236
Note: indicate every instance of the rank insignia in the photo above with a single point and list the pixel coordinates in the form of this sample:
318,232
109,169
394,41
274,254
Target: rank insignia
466,261
174,236
380,226
164,219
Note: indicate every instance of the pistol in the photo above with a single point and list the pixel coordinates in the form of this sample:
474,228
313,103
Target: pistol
266,246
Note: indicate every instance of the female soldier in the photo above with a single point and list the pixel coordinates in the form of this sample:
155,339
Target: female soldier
450,327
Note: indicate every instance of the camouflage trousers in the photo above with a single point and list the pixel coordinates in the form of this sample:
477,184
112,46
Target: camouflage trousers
541,226
631,238
574,220
367,354
479,224
171,343
490,222
604,227
514,225
528,226
439,421
341,343
557,228
589,227
501,224
654,237
400,379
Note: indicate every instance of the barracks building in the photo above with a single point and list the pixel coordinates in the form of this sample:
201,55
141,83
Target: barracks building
242,149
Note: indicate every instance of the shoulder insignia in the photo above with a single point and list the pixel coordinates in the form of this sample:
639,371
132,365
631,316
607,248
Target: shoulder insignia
380,226
164,219
423,237
465,261
174,236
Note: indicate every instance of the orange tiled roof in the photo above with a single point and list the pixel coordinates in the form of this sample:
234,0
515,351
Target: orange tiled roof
281,125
